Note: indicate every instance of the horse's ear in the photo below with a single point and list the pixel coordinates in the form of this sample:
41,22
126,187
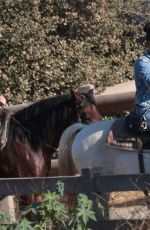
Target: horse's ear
77,96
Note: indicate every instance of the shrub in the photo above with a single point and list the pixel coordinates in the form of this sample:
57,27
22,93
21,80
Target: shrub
50,46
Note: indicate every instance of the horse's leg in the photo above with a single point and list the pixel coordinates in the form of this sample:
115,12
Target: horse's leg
30,163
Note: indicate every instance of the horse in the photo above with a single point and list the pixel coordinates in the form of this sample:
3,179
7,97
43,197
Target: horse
86,146
33,134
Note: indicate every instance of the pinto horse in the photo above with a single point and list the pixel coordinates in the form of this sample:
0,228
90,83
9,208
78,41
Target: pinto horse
34,133
85,146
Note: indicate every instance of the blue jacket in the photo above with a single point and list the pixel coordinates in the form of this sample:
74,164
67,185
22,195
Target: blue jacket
142,82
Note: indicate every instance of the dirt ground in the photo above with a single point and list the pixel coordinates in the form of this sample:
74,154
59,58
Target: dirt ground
128,205
119,199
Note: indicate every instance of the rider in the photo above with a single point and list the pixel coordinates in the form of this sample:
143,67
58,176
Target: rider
142,81
4,114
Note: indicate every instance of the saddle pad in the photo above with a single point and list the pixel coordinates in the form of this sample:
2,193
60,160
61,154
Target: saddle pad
118,137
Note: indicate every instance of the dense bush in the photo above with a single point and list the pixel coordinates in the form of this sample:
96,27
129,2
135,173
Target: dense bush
50,46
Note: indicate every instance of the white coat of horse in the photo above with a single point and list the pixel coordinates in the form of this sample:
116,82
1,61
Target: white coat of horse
87,149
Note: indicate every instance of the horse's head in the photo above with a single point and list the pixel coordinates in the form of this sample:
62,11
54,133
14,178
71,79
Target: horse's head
86,106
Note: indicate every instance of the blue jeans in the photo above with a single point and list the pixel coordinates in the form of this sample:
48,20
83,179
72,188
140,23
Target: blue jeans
143,112
140,111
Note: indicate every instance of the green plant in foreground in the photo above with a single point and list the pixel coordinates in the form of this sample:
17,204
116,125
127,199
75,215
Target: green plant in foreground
84,212
53,214
4,216
101,208
51,211
60,188
24,224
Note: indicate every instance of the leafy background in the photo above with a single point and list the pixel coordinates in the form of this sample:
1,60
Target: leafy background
50,46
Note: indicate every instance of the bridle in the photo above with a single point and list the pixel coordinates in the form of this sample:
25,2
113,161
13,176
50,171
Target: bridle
84,117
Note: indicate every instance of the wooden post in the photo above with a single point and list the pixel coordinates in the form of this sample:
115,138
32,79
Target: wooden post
102,197
90,191
102,208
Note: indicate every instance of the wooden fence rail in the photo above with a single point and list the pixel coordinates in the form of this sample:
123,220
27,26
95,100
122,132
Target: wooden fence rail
89,183
77,184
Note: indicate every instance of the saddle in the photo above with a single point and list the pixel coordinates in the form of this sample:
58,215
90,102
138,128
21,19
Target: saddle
120,137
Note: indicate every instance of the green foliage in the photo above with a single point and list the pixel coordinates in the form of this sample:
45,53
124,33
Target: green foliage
24,224
84,212
60,188
51,210
53,214
4,216
101,208
29,209
50,46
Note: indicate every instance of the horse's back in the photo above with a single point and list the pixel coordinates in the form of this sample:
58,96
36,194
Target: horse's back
92,133
88,142
89,150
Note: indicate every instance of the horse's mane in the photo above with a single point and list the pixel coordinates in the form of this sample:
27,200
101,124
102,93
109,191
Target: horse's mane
45,105
43,119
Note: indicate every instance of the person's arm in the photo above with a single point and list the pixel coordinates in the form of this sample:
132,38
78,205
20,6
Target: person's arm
143,69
